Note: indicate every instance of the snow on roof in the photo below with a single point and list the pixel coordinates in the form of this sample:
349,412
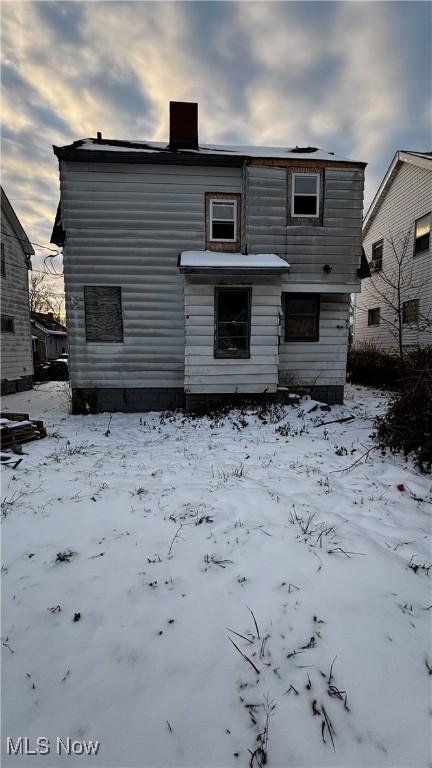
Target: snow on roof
299,153
206,260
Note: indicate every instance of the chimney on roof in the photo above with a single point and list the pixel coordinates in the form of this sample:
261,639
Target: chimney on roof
183,125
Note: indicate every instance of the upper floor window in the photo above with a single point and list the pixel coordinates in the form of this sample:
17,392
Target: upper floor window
7,324
422,234
3,261
301,316
410,311
374,316
223,220
305,195
377,255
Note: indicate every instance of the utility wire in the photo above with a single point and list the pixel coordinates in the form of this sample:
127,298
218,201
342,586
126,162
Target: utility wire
56,252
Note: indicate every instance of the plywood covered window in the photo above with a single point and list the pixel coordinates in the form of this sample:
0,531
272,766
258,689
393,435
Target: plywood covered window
374,316
232,322
103,313
422,234
301,316
410,311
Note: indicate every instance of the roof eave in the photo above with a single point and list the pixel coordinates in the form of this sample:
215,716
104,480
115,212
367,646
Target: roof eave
246,270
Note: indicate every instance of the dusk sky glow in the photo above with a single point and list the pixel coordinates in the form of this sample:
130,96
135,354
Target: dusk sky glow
351,77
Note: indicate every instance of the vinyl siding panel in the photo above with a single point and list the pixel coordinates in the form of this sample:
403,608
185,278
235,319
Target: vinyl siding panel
320,362
308,248
206,374
16,349
408,197
125,227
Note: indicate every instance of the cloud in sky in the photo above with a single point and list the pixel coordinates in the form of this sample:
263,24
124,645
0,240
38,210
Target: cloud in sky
352,77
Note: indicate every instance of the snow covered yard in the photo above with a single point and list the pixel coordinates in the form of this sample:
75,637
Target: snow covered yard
177,587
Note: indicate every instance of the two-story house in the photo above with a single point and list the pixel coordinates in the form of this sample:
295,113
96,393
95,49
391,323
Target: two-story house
194,273
395,304
16,345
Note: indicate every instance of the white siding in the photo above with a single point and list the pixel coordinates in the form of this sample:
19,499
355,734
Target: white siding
206,374
16,350
322,362
126,225
408,197
308,248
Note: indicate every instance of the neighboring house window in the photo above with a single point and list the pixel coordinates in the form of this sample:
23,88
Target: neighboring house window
7,324
302,317
377,256
103,313
410,311
422,234
3,261
222,221
305,194
374,316
232,322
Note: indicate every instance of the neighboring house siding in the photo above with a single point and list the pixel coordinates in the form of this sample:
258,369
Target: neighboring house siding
16,349
206,374
319,363
126,225
408,197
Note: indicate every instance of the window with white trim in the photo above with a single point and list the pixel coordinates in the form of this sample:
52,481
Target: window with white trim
374,316
305,195
422,234
223,220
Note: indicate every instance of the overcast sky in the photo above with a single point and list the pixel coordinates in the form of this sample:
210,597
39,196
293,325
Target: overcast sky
351,77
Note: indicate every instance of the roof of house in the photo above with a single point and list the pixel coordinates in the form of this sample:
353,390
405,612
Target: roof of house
46,323
15,224
136,151
233,263
419,159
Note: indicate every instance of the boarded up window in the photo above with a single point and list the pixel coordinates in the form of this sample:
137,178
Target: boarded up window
103,313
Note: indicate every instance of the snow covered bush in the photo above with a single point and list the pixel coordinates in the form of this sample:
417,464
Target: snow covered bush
407,425
370,366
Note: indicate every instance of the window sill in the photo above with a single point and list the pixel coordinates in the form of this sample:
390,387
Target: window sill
232,356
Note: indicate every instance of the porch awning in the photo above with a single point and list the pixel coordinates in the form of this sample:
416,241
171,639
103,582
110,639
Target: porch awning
213,262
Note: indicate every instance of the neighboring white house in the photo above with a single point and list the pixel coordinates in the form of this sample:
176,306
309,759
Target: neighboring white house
16,346
49,337
396,230
194,273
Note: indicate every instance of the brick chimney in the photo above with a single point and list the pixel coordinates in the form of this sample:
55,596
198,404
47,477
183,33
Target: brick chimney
183,125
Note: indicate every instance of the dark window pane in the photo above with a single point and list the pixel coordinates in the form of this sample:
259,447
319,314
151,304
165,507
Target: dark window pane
422,243
305,205
7,324
232,306
232,322
410,311
374,316
222,230
301,306
300,326
301,317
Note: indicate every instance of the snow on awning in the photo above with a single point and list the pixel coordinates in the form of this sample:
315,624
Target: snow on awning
231,263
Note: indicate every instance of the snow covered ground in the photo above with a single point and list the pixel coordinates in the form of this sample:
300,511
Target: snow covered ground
227,579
